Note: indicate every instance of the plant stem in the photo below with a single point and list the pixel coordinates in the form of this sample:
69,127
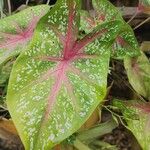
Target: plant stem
48,1
97,131
1,8
27,1
105,145
87,5
9,7
80,146
136,13
146,20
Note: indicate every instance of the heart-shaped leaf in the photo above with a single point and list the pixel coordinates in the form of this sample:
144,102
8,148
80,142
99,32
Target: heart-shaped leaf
60,79
125,43
138,71
137,116
16,31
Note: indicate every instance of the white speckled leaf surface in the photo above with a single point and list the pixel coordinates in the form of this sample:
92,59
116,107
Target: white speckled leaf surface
125,43
60,79
136,114
16,31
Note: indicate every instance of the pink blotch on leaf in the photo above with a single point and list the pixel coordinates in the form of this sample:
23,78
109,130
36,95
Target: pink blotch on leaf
143,107
73,49
21,37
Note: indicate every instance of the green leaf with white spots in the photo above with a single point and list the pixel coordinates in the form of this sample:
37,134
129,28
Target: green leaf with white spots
125,43
106,11
58,82
137,116
103,12
17,30
138,71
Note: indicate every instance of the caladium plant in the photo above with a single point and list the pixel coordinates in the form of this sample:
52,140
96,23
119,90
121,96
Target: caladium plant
136,114
17,30
138,71
60,79
125,43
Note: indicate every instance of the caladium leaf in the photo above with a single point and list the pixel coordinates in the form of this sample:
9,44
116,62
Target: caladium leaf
138,71
105,11
57,83
137,116
16,31
125,43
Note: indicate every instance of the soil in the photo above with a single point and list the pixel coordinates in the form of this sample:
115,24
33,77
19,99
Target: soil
122,138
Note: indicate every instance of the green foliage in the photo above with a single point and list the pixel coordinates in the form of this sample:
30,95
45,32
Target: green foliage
138,71
60,77
145,3
125,43
70,74
5,72
136,114
144,6
16,31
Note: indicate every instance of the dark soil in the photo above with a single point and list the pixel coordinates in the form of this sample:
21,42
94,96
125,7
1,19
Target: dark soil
122,138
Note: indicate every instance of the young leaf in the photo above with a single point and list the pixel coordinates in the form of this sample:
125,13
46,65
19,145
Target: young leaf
105,11
138,71
137,117
60,79
125,43
16,31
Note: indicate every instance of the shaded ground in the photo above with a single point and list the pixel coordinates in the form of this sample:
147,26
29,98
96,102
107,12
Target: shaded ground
122,138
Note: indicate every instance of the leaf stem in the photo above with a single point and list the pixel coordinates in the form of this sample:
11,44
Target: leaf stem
97,131
80,146
48,1
27,1
146,20
1,8
9,7
135,14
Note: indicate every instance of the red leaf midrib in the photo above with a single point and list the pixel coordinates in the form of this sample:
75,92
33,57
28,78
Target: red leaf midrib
12,40
73,50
